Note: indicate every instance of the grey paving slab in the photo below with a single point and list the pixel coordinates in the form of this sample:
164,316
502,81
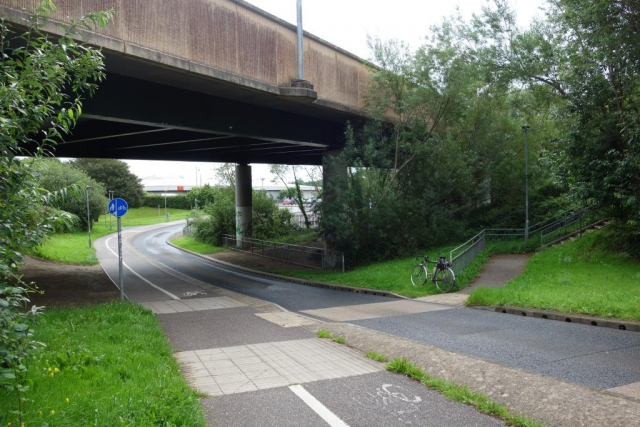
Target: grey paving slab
386,399
286,319
197,330
263,408
194,304
251,367
597,357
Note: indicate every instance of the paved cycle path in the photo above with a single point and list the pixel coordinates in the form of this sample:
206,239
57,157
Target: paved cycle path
595,357
499,271
257,364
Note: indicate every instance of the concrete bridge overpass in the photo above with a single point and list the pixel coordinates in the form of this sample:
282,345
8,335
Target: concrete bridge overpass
208,80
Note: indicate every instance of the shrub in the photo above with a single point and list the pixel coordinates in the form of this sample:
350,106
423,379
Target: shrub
55,176
269,221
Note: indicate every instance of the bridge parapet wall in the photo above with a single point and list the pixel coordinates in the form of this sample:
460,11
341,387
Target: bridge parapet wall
230,36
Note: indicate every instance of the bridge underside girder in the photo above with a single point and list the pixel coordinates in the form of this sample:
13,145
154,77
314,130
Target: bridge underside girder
129,118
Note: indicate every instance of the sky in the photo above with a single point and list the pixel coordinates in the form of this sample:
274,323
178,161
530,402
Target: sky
345,23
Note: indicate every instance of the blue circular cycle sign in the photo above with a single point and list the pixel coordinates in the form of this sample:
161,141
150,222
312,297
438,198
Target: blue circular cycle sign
118,207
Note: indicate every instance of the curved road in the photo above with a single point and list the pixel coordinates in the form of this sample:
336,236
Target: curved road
597,357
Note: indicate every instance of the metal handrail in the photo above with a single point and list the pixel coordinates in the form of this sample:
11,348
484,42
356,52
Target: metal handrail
476,238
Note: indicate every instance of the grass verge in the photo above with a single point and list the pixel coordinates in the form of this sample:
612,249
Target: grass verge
108,365
73,248
462,394
377,357
323,334
394,276
578,276
194,245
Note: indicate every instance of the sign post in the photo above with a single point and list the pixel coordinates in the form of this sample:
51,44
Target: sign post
119,208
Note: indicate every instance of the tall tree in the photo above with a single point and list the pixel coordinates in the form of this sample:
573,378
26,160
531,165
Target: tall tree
114,175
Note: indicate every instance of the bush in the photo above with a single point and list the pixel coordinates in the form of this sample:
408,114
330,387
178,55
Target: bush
205,195
55,176
269,221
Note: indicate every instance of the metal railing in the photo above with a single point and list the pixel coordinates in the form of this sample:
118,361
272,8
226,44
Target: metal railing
550,231
569,225
466,252
294,254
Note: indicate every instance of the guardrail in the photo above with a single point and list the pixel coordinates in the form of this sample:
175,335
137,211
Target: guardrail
549,231
295,254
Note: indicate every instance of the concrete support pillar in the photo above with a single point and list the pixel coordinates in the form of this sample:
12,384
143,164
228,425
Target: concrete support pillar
244,203
334,180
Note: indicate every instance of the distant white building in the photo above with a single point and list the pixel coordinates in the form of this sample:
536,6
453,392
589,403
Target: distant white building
273,191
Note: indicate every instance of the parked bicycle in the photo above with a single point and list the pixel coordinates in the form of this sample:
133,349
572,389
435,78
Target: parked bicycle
442,277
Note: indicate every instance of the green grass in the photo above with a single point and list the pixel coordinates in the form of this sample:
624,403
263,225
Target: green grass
108,365
377,357
579,276
298,238
339,340
460,393
394,276
323,334
192,244
73,248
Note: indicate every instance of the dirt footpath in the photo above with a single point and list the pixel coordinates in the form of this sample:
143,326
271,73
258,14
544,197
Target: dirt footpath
67,284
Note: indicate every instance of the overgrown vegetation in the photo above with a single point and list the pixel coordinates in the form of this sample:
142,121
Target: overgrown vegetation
460,393
269,222
55,176
106,365
578,276
446,154
41,85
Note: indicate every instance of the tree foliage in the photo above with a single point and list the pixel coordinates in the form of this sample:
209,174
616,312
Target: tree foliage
114,175
55,176
41,87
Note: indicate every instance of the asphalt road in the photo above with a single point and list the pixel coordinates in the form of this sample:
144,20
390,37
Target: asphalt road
597,357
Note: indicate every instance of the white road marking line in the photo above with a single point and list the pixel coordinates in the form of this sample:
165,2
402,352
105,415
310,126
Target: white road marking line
313,403
106,243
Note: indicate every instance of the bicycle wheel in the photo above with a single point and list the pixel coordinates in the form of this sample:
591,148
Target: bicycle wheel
444,279
419,275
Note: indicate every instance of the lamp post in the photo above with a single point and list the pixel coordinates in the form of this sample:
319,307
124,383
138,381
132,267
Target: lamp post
299,40
526,182
86,192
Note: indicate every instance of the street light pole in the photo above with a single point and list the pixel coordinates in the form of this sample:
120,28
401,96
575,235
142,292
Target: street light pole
88,213
299,40
526,182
